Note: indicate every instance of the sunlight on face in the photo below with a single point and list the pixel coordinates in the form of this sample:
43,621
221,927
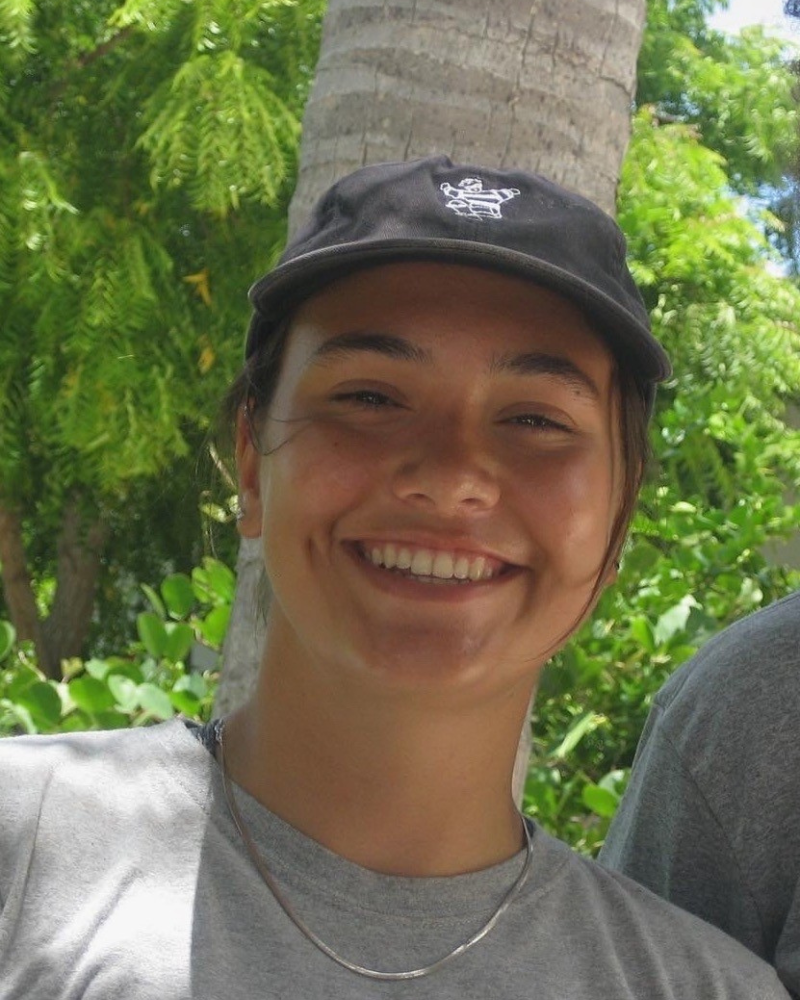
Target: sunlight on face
443,476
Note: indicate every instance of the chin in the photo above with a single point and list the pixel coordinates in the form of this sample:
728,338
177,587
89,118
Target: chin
439,664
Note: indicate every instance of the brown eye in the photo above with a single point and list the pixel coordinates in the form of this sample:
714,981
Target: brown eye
538,422
367,398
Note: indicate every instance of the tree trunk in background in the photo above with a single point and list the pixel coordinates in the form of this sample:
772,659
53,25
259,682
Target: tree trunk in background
62,633
546,85
241,652
17,589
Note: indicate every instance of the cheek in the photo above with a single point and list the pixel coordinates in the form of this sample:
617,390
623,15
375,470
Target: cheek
316,476
571,503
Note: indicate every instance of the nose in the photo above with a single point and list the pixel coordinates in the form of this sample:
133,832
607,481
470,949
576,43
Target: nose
448,469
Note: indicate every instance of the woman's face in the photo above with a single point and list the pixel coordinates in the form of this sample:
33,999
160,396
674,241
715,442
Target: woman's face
442,478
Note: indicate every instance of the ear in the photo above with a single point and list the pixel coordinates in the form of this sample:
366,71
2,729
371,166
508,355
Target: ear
248,466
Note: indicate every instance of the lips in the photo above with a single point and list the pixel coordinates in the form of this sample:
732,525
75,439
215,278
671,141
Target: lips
431,565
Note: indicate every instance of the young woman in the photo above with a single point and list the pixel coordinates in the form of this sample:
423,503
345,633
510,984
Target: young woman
440,432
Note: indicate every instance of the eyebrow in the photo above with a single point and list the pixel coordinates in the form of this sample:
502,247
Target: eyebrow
357,341
538,363
388,345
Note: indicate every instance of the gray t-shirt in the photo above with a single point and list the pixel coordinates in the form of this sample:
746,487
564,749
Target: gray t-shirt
711,818
122,876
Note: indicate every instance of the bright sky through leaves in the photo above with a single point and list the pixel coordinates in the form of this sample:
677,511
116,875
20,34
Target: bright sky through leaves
741,13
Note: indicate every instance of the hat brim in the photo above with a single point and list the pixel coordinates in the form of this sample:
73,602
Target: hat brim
278,293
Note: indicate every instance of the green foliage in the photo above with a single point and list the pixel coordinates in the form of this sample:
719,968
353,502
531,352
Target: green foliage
220,105
147,155
734,90
719,122
15,25
150,682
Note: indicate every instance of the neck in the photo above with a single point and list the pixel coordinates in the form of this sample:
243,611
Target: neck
391,783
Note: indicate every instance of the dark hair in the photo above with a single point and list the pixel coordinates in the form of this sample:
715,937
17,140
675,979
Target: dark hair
255,384
255,387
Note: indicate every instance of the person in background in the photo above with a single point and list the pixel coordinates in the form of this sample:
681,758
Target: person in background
711,817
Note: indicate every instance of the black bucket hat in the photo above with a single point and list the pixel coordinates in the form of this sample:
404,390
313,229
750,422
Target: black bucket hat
504,220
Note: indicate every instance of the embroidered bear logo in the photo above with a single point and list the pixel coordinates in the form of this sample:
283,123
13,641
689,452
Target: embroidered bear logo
470,198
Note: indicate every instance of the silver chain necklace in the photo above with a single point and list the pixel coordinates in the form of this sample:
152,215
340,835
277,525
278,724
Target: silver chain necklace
287,908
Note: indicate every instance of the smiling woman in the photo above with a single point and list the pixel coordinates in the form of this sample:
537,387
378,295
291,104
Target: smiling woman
440,433
475,422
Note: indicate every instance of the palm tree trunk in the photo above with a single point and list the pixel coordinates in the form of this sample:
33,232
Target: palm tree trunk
546,85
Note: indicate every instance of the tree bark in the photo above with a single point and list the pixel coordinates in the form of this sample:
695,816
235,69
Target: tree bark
17,587
63,632
80,548
546,85
241,651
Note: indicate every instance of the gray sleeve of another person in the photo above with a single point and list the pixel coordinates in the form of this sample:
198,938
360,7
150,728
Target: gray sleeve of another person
711,817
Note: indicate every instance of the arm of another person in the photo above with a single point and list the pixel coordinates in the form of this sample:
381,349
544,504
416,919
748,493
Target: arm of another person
668,836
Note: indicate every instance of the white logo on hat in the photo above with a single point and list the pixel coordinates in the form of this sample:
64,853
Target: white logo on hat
470,199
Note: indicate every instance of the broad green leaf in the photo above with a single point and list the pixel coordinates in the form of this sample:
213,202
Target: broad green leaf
195,684
673,621
111,719
90,694
152,633
125,692
155,601
215,625
155,701
121,668
179,642
222,580
185,702
42,701
178,594
97,668
7,638
214,582
600,800
22,677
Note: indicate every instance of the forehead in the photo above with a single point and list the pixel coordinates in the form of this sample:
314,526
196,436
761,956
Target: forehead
452,312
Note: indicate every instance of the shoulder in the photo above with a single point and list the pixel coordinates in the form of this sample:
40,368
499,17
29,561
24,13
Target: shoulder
727,713
82,768
674,952
108,746
749,668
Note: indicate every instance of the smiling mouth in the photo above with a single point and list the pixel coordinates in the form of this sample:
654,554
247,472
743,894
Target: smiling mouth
432,566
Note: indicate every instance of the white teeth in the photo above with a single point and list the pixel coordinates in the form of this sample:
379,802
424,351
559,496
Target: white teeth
442,566
422,563
433,565
477,568
461,568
